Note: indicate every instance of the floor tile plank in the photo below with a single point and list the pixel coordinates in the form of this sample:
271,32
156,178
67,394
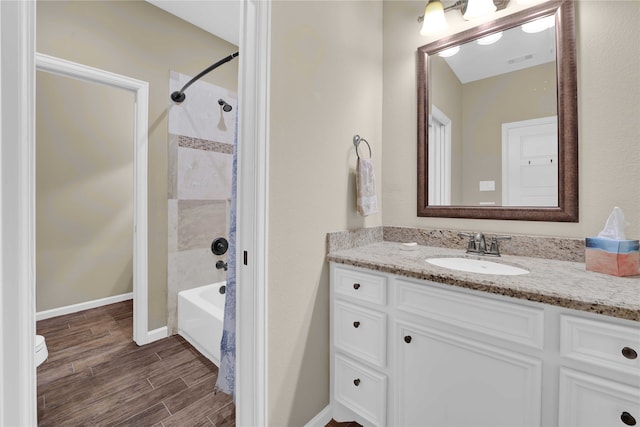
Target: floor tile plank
155,414
97,375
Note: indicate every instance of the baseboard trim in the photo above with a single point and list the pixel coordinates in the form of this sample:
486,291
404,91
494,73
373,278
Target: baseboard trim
322,419
74,308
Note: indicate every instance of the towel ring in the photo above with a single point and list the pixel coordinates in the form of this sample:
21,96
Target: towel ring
357,140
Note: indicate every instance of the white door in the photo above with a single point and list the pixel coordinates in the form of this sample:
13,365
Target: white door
530,162
445,380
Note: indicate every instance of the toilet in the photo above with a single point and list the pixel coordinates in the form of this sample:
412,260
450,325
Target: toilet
41,350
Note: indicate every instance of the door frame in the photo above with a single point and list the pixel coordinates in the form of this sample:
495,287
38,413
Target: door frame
252,214
140,89
17,190
439,167
17,262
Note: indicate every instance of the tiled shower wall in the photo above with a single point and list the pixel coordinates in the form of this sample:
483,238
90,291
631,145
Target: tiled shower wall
199,189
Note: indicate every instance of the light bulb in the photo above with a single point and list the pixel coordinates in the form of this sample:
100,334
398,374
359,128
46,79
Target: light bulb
539,24
490,39
449,52
478,8
434,20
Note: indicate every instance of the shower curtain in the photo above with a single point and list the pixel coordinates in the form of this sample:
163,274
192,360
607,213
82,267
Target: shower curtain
227,371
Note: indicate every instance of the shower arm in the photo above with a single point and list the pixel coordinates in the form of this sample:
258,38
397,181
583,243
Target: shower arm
179,96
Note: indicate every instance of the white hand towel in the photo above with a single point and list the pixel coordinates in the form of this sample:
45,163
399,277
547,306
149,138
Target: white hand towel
366,187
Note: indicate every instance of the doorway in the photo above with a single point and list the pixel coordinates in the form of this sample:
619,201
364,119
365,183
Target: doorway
140,91
17,86
439,158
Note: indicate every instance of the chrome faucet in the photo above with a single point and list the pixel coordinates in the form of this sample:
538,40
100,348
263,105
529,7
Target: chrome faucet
478,244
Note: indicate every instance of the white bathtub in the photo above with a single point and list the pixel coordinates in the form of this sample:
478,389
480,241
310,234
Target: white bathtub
200,314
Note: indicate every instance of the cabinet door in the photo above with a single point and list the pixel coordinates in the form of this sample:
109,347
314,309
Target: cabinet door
445,380
589,401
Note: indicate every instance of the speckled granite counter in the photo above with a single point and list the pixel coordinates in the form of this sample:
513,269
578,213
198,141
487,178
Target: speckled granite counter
561,283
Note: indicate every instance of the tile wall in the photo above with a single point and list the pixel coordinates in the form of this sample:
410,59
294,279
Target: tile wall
199,189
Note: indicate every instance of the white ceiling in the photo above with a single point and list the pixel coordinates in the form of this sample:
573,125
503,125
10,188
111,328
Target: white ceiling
222,19
516,50
219,17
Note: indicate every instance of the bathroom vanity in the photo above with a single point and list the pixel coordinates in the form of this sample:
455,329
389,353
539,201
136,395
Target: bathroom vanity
413,344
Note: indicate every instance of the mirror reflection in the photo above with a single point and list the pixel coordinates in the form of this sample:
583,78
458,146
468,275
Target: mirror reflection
493,120
468,177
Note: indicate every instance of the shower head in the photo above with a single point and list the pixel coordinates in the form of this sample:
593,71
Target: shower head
225,107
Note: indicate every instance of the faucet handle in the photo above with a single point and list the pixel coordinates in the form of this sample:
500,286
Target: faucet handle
471,246
494,249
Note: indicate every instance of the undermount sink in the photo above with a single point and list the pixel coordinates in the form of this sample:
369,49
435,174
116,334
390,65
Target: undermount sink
477,266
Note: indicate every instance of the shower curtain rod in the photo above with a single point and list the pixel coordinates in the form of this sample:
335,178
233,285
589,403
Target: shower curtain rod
179,96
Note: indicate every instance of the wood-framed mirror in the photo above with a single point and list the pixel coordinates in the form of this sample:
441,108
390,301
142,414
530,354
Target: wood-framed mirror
501,142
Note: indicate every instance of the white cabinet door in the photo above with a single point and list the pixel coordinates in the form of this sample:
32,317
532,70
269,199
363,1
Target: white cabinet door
449,381
589,401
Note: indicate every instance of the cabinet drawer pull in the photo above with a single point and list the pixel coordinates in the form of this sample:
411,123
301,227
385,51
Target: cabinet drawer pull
356,286
356,382
356,324
628,419
629,353
407,339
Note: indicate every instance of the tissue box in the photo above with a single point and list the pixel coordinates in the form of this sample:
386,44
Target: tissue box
614,257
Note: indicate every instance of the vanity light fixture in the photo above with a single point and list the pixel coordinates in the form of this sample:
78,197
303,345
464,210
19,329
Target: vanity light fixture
449,52
539,24
490,39
433,20
478,8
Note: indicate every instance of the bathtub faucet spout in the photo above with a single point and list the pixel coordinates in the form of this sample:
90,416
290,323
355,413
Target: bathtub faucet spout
221,264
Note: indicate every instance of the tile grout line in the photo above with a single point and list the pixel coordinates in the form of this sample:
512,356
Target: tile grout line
167,408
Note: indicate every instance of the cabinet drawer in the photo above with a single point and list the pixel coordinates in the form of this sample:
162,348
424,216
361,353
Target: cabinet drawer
508,321
589,401
360,332
360,286
362,390
604,344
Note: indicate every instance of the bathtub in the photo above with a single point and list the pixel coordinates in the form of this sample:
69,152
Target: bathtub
200,314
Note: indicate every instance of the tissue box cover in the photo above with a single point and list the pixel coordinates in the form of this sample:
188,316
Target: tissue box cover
614,257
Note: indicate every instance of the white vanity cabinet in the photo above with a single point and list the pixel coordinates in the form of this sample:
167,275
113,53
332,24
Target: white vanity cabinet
600,373
359,346
407,352
454,364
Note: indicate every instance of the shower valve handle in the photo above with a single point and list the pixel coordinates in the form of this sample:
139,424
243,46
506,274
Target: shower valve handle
219,246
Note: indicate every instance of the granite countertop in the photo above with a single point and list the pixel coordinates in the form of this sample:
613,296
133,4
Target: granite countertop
562,283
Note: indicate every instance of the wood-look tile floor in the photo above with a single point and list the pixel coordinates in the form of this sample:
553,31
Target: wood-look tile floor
97,376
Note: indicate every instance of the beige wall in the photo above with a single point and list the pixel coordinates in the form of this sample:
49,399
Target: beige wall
608,111
139,40
326,86
519,95
328,82
84,228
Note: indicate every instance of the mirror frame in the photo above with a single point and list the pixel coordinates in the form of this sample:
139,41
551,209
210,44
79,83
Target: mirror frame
567,107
